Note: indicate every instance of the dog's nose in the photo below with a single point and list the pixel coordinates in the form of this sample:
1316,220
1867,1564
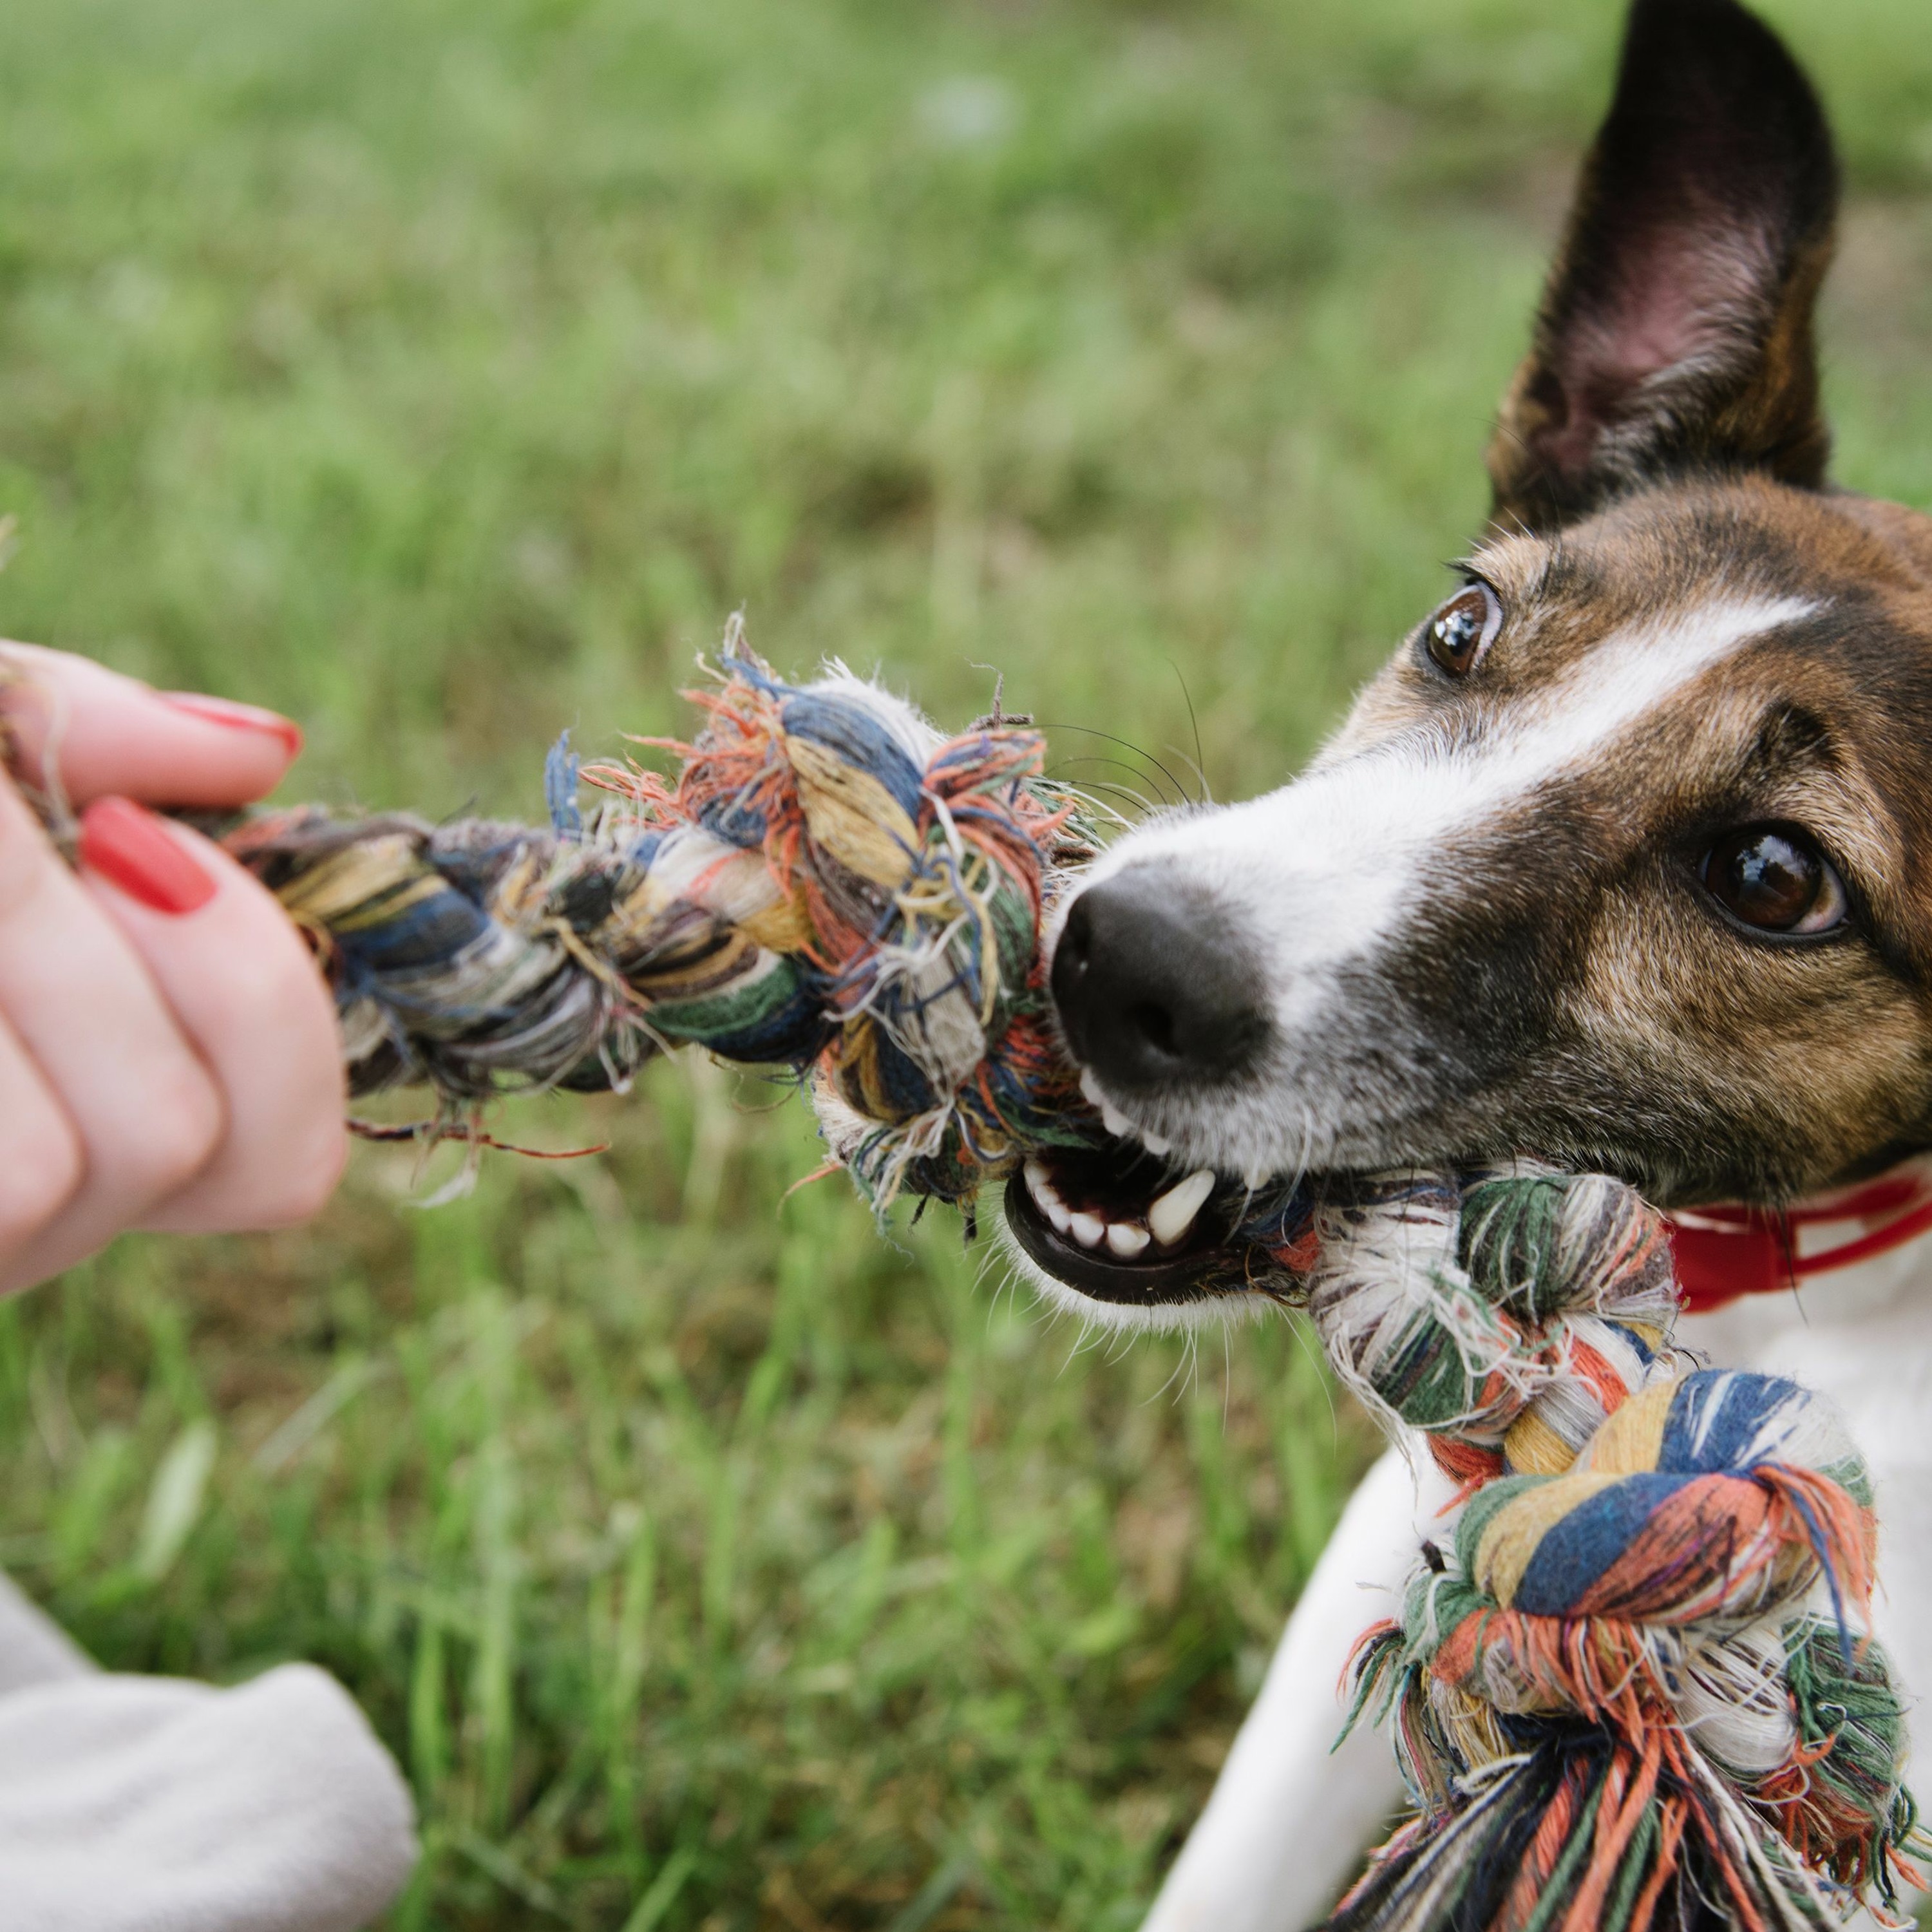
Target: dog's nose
1155,988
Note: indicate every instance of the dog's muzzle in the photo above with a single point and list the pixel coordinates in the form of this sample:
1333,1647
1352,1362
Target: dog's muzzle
1156,990
1161,1001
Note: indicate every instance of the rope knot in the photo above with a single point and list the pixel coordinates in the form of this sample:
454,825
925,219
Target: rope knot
1643,1666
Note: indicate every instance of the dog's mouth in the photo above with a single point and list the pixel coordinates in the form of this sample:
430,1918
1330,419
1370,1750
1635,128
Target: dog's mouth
1118,1225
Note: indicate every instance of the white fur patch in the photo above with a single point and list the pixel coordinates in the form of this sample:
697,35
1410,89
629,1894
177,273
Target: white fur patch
1325,870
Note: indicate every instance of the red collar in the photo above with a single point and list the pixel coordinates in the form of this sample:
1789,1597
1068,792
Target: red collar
1723,1252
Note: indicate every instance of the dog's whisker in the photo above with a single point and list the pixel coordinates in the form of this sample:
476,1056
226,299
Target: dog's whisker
1146,756
1203,796
1193,724
1146,807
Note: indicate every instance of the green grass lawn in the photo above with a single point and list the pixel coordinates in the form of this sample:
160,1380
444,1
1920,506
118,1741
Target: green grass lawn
444,374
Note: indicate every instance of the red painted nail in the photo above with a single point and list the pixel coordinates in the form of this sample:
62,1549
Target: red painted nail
237,717
130,847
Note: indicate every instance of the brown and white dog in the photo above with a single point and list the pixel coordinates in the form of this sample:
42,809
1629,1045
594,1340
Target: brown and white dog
1625,861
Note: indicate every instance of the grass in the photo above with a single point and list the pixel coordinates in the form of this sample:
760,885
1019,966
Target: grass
444,374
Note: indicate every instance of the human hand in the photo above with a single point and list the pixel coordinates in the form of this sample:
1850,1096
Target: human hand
168,1056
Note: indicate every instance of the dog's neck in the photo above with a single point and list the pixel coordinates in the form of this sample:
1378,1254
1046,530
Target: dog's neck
1724,1253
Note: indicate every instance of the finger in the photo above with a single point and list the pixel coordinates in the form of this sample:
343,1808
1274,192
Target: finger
41,1161
106,733
244,990
147,1114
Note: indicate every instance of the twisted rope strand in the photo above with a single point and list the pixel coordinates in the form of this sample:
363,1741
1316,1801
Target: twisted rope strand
827,886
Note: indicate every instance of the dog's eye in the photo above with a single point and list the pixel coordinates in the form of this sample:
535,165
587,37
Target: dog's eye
1773,877
1460,632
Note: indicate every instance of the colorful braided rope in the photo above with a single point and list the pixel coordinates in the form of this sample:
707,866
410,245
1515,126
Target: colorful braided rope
828,887
1635,1685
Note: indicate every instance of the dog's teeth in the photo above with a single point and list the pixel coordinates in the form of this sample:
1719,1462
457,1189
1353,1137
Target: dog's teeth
1088,1229
1038,1184
1155,1143
1046,1196
1090,1087
1173,1214
1255,1178
1126,1239
1115,1122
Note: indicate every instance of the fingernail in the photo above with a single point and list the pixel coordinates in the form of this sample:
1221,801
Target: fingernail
237,717
130,847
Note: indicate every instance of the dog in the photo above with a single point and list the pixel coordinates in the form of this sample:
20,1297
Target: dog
1624,861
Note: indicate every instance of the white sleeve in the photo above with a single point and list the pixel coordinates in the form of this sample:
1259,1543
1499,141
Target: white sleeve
155,1804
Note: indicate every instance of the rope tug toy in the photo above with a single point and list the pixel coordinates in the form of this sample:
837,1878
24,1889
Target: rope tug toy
1639,1686
829,887
1634,1686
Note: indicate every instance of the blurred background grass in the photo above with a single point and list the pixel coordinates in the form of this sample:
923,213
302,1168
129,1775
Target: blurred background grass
443,373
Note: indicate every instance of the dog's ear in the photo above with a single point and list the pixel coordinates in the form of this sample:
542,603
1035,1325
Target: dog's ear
1675,332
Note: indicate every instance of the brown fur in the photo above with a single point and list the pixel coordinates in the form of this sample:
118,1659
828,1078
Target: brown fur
1670,1045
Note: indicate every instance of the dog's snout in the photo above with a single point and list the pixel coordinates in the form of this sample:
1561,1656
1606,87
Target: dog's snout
1154,986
